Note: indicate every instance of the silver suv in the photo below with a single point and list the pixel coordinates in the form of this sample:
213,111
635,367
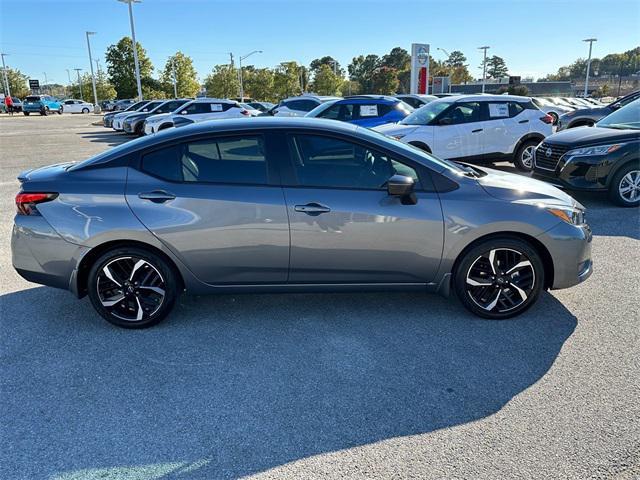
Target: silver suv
291,205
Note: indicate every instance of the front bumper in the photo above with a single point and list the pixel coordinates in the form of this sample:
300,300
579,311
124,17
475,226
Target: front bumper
570,250
42,256
127,127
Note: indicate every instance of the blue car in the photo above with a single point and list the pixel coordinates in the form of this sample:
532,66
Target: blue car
364,110
42,104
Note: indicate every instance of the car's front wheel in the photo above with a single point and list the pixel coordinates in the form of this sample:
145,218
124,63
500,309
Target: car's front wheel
60,110
26,114
524,156
132,287
625,186
44,111
499,278
85,110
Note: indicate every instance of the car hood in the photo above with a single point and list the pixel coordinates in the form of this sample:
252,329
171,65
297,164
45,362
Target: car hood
123,114
395,129
511,187
583,136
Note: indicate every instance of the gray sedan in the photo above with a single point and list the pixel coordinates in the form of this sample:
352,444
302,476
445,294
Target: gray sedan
281,205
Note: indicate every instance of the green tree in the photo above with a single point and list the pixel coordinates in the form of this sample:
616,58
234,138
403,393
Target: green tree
456,59
325,82
496,67
186,78
385,81
258,84
397,58
18,83
104,89
120,66
286,80
222,82
315,65
362,69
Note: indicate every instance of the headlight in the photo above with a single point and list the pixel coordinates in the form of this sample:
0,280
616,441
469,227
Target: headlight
574,216
595,150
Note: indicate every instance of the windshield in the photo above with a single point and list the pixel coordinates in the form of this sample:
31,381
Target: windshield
437,163
426,113
137,105
169,106
627,118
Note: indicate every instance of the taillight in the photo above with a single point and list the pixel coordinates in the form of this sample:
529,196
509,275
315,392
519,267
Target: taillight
26,202
547,119
245,112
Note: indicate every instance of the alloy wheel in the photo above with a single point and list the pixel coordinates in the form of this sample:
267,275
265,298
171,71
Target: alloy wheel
629,186
527,156
130,288
500,280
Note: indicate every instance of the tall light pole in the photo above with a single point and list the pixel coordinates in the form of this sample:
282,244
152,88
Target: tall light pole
4,74
586,80
68,75
79,83
175,80
240,63
93,77
135,48
335,66
443,51
484,66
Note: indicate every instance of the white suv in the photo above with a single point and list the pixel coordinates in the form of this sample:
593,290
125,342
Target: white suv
299,106
197,110
476,128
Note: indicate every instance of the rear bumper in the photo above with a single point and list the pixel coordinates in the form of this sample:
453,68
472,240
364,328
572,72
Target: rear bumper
42,256
570,249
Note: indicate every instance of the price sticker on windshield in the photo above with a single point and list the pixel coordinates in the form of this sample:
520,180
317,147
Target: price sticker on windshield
368,110
498,110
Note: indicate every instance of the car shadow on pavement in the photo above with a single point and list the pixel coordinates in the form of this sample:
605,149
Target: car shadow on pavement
234,385
109,137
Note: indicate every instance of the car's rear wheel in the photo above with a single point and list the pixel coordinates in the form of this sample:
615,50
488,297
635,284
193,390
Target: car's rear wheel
524,156
499,278
60,110
132,287
625,186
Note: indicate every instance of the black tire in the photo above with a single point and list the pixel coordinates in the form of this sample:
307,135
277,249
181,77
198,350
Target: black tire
26,114
85,110
60,110
620,180
44,111
137,301
523,159
500,288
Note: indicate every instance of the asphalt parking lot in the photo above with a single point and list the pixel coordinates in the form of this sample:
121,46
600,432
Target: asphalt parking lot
368,386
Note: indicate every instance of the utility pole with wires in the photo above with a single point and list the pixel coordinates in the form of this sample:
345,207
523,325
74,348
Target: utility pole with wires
4,74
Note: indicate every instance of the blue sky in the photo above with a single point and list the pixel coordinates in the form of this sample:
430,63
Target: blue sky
534,37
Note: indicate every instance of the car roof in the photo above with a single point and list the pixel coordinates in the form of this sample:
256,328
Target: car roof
312,97
212,99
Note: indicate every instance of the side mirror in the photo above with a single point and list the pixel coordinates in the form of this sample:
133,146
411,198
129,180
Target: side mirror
444,121
401,186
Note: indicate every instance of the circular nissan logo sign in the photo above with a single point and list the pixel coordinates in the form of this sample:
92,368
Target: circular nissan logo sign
422,55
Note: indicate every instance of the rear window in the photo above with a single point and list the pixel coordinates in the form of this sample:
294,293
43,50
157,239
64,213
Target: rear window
33,99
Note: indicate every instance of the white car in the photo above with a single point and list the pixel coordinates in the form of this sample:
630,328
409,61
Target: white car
252,110
551,108
76,106
416,100
197,110
118,118
300,106
476,128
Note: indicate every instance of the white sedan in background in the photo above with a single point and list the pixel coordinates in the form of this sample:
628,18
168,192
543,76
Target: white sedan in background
76,106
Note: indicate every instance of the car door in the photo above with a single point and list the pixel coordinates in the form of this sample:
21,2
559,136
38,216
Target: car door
69,106
216,203
345,228
459,132
505,123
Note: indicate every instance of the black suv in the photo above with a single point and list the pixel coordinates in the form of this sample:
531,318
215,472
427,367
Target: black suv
587,117
605,157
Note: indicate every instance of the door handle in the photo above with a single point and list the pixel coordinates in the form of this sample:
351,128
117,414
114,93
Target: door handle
523,121
476,130
312,209
157,196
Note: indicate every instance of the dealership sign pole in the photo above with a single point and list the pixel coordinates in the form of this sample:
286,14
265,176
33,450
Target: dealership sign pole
419,68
